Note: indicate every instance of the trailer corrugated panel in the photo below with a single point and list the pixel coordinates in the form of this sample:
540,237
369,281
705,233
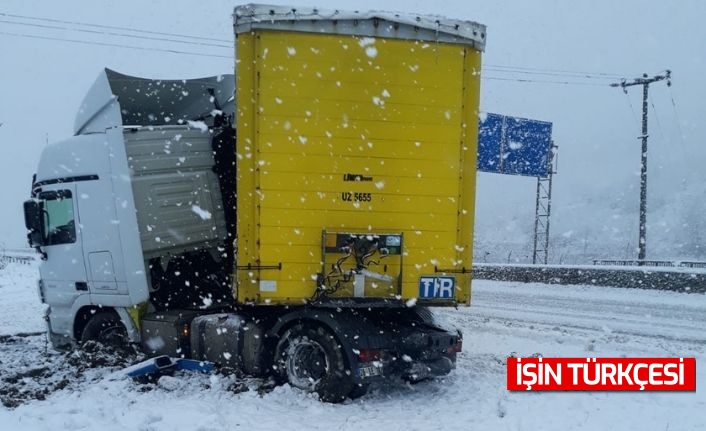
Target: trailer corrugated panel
356,167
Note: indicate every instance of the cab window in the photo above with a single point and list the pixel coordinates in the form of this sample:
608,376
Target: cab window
58,217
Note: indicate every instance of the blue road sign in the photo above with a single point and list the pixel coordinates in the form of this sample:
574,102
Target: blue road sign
515,146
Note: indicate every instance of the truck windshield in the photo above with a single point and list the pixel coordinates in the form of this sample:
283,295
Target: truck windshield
58,218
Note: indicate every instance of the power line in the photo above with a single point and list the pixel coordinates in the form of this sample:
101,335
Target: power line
502,69
659,125
682,150
542,81
562,71
116,45
632,109
112,27
519,70
676,116
55,27
201,54
492,67
688,161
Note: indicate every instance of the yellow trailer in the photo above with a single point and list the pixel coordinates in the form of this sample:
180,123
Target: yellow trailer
356,156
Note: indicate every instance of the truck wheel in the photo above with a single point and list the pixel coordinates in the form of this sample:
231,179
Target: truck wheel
106,329
311,359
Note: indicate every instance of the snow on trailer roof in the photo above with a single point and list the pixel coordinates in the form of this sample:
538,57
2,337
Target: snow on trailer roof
372,23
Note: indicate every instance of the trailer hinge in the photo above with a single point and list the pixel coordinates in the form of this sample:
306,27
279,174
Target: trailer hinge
250,266
463,270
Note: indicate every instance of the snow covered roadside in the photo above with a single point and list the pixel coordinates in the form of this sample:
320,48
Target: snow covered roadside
505,318
20,309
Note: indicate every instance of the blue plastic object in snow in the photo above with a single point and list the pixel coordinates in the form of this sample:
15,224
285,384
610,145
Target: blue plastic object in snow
194,365
166,365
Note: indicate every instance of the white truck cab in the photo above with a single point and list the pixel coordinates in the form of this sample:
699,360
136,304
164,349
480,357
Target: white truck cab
136,141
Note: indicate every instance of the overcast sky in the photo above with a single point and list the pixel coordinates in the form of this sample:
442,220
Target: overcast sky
43,81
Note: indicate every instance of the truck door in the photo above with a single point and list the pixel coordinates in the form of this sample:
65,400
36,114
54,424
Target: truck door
101,239
64,271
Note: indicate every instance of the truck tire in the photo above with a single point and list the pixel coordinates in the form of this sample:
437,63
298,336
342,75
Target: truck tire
311,359
106,329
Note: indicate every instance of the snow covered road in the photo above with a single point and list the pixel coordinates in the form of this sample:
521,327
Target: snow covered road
505,318
591,309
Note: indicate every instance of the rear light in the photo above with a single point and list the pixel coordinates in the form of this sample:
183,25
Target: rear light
455,348
185,331
369,355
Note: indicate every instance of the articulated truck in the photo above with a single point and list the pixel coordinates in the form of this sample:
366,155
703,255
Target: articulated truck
296,220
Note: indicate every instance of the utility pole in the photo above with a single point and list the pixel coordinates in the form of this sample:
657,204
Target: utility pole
645,81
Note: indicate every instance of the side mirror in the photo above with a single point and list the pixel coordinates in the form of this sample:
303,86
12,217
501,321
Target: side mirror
33,222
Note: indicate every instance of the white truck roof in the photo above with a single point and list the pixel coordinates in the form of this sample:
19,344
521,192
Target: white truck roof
149,102
371,23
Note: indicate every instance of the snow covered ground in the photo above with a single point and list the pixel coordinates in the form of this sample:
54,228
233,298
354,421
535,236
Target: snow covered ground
20,308
505,318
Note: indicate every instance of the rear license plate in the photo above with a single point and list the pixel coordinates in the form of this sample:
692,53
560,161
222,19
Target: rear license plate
369,370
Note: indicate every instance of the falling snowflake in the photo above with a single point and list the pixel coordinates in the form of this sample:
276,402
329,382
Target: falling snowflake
205,215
